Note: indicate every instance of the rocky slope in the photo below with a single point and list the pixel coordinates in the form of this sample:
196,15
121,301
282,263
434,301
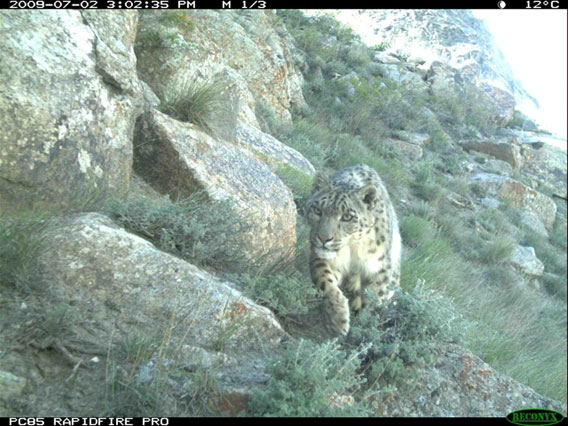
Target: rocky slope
80,93
449,44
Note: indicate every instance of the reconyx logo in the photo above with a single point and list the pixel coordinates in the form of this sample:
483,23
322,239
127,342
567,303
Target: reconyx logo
535,416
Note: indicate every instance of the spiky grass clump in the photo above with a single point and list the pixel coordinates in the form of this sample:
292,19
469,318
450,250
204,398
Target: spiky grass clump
211,105
20,241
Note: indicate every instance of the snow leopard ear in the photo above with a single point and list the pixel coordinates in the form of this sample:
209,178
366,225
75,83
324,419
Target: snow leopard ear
368,194
321,181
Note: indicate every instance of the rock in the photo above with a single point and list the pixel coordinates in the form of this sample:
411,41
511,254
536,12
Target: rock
69,98
524,259
500,150
442,79
548,165
461,385
530,201
124,288
271,150
420,139
203,44
417,60
403,76
196,161
499,167
111,276
408,150
490,203
502,99
521,196
410,145
462,46
534,223
385,58
11,386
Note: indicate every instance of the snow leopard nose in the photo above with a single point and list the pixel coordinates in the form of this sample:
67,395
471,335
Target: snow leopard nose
324,239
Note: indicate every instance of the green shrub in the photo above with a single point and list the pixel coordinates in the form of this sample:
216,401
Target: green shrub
358,55
405,335
309,138
143,378
311,380
496,221
500,275
381,47
179,18
554,258
521,121
555,285
203,232
282,293
428,191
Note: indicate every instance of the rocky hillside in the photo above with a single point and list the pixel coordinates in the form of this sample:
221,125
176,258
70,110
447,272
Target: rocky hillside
461,45
153,249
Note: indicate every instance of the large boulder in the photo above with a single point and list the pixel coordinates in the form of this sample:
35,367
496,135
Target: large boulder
543,157
195,161
548,165
69,98
501,150
525,260
461,385
111,275
109,313
203,45
271,150
521,196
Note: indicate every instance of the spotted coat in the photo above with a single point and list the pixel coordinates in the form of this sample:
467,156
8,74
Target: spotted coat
355,241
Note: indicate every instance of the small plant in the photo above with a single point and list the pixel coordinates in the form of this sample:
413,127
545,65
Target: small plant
423,209
405,335
381,47
210,105
282,293
145,377
21,235
179,19
233,319
498,250
312,380
201,231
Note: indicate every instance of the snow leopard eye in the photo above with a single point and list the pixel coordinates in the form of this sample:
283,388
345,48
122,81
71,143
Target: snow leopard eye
316,211
347,217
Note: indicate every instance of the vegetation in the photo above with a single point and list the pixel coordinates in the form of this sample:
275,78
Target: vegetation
282,293
456,287
144,377
20,240
460,254
210,105
311,379
204,232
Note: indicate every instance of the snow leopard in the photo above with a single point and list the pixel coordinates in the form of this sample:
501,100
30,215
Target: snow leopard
354,242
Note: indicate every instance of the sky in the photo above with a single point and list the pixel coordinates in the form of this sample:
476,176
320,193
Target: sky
534,44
